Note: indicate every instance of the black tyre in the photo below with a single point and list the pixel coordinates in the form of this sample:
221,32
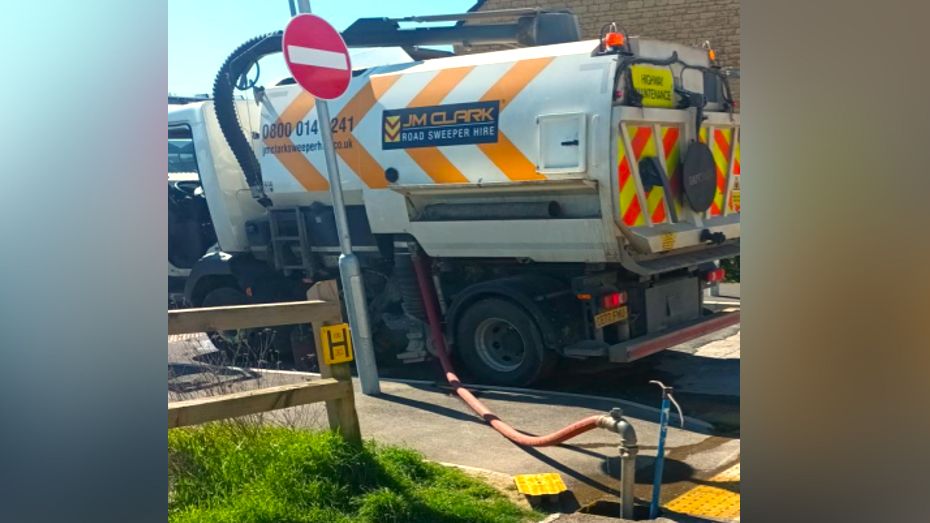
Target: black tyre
247,345
499,343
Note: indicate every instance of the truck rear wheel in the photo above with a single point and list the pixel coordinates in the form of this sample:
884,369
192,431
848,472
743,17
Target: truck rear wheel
252,345
499,343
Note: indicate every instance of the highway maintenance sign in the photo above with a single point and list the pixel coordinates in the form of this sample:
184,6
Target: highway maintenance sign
317,56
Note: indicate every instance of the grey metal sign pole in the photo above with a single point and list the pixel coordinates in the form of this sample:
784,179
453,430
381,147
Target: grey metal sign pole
350,270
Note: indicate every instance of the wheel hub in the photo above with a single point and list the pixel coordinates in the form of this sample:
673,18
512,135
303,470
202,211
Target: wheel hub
499,345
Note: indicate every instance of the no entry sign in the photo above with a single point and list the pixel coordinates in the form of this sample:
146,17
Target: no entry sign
317,56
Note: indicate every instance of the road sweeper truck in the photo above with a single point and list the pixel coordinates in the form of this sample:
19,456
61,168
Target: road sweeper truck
573,197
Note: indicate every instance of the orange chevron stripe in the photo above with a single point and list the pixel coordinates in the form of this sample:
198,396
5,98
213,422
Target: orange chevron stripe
515,79
295,162
303,103
430,159
510,160
356,156
436,165
505,155
440,86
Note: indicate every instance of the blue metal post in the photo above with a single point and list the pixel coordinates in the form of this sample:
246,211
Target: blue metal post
660,452
660,456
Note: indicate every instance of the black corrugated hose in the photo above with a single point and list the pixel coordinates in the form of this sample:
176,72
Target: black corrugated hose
239,63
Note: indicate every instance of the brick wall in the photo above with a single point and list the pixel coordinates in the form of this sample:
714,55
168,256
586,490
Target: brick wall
684,21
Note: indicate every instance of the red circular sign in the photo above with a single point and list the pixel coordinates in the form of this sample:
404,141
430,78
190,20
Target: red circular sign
317,56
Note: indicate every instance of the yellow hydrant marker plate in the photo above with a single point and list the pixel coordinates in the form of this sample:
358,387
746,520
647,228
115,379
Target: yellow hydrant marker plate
712,502
539,484
337,343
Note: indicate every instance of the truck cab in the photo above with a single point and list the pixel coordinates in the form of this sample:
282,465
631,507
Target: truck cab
190,228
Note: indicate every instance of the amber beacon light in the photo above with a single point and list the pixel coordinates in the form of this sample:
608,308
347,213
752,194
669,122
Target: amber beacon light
614,40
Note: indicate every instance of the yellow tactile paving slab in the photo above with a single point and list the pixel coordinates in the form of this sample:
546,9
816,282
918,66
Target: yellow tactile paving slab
539,484
712,502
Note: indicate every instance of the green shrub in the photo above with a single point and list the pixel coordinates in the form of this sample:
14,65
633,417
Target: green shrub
731,266
248,474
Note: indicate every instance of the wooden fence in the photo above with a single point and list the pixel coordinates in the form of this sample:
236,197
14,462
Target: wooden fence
334,387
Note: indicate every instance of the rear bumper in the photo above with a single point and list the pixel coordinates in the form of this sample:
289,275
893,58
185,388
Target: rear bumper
672,262
638,348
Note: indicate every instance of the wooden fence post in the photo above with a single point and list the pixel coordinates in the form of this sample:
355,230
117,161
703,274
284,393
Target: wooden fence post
341,412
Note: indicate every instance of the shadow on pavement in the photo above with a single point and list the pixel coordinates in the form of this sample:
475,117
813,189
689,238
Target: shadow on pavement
673,470
430,407
190,377
597,405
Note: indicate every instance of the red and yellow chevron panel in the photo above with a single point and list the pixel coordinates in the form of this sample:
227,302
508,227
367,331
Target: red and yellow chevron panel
671,145
720,148
735,191
642,140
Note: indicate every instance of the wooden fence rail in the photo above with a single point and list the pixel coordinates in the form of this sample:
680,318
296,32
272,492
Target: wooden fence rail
184,321
335,386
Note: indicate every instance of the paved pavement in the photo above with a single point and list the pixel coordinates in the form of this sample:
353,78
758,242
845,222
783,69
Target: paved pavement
442,427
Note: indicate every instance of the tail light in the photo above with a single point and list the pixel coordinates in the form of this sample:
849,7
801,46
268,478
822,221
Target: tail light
612,300
715,275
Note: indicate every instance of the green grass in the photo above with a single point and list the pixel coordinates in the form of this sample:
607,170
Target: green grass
233,473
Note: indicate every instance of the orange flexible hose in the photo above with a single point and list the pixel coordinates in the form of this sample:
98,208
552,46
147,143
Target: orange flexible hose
427,292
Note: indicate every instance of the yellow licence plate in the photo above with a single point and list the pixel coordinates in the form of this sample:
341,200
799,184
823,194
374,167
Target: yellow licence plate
612,316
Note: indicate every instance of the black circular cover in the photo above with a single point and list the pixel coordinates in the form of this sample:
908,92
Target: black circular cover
699,177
